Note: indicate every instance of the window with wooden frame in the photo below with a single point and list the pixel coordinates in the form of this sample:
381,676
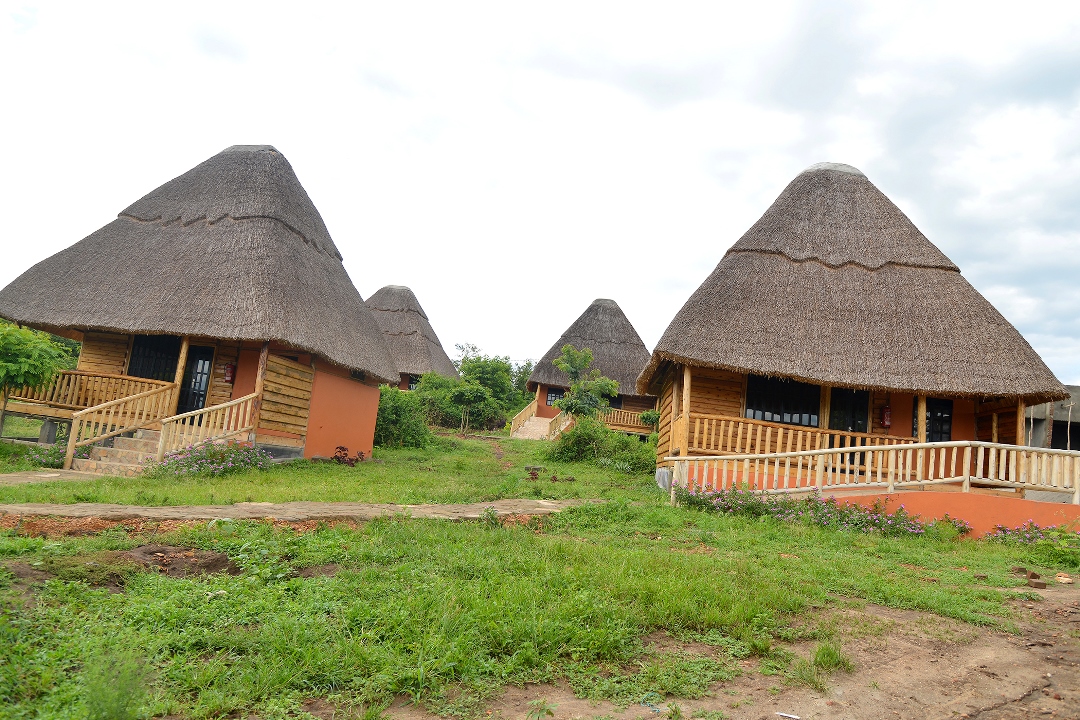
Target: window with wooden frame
938,419
782,401
554,394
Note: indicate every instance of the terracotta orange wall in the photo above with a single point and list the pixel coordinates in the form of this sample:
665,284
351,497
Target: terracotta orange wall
247,367
404,384
343,412
900,405
963,420
983,512
542,408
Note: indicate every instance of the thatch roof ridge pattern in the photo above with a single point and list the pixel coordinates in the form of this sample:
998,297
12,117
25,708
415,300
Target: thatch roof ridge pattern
875,317
618,351
412,341
247,279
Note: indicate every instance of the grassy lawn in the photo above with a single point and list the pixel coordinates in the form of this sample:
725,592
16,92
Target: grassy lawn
21,427
453,471
448,613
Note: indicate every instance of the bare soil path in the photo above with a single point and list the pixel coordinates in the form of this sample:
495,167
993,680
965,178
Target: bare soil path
294,511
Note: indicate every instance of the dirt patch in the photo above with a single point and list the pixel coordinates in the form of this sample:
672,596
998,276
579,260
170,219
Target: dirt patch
908,665
59,527
328,570
496,448
182,562
26,578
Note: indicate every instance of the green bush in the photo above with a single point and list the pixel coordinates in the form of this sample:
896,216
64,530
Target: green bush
401,419
589,440
439,398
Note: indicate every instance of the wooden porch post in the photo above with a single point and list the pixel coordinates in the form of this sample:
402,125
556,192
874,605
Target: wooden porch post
1021,423
993,428
686,391
922,418
260,378
825,407
1048,436
181,365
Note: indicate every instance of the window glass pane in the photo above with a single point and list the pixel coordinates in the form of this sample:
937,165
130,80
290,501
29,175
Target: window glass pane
786,401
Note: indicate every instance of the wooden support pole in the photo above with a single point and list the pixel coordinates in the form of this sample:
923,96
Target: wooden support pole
686,390
260,378
921,420
1048,436
181,365
1021,423
3,409
994,428
825,407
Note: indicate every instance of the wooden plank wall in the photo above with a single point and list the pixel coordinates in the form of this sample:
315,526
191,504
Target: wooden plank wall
638,403
879,399
286,396
105,353
1006,422
228,351
717,392
663,445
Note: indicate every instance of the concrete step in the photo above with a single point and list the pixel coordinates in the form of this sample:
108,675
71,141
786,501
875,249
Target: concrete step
106,468
146,446
535,428
154,435
121,455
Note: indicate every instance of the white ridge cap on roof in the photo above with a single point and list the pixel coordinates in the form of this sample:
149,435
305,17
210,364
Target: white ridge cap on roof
838,167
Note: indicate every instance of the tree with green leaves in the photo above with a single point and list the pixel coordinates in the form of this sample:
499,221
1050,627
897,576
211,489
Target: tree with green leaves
589,390
469,395
28,358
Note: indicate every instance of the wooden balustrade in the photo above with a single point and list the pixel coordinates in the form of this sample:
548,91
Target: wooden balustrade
887,467
559,424
721,434
211,424
526,414
118,416
79,389
623,418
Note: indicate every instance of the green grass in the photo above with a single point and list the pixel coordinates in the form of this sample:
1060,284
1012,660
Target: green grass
452,471
21,427
447,613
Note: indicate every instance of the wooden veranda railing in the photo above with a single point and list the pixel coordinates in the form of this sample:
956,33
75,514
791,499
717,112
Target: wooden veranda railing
722,434
559,424
79,389
211,424
118,416
526,414
888,467
623,418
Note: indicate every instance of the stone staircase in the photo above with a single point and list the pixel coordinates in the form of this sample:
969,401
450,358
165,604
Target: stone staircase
126,458
535,428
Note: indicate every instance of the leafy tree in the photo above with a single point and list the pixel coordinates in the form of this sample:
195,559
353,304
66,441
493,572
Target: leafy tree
589,389
29,358
520,376
400,422
468,395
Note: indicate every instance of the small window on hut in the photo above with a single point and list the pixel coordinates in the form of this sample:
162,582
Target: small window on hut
938,419
554,394
782,401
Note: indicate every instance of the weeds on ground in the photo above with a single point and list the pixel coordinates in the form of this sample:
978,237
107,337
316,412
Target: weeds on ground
114,687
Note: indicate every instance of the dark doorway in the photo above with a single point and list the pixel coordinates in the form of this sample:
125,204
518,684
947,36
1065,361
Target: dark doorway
849,410
154,357
200,362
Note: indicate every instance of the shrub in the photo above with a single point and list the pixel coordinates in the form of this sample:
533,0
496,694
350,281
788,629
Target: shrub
1052,546
52,456
401,419
651,418
589,440
440,399
814,510
212,459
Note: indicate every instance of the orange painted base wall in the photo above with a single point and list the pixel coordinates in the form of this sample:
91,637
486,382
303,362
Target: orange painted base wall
542,408
343,412
983,512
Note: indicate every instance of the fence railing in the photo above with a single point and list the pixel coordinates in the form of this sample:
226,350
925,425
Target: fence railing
78,389
526,414
118,416
623,418
211,424
887,467
558,424
722,434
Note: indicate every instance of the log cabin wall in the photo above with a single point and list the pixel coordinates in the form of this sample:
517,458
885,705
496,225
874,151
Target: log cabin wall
220,390
637,403
105,353
663,444
286,397
717,392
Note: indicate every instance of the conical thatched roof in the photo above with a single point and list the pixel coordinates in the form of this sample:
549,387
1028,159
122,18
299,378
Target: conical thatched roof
618,351
835,285
413,343
233,248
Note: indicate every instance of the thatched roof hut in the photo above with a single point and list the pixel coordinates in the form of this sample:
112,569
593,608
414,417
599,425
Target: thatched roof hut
413,343
233,249
834,285
618,351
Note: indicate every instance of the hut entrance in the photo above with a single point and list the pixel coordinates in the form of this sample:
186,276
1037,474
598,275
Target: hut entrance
154,357
196,382
849,410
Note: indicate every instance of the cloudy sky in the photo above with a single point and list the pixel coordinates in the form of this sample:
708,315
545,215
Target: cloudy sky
512,164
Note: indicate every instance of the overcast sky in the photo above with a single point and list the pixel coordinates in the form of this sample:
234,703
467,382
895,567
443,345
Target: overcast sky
510,165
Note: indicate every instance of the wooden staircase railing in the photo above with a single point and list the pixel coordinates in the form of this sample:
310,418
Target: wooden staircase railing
79,389
210,424
118,416
526,414
559,424
885,467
